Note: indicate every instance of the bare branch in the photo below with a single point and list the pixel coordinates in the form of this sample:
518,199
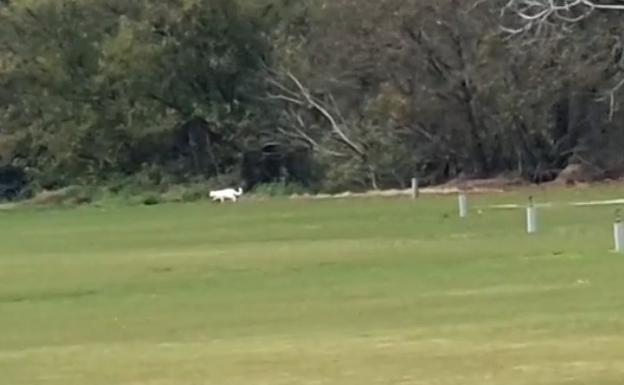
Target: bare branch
285,98
299,133
535,14
611,96
301,96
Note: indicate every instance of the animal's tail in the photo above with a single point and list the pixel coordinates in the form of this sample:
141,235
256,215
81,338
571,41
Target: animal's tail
239,192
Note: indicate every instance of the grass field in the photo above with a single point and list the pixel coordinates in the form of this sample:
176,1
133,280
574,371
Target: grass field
363,291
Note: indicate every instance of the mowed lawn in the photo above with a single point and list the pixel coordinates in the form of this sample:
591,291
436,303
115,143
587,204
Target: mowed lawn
361,291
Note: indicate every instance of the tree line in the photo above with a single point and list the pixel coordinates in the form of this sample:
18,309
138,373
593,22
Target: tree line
327,95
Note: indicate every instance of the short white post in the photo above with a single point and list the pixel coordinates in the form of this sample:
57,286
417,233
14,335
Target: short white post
531,217
463,204
618,233
415,189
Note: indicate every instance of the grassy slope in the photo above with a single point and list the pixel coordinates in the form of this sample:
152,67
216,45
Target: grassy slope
333,292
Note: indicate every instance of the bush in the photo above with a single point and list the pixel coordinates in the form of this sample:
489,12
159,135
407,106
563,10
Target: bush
13,182
279,189
151,199
187,193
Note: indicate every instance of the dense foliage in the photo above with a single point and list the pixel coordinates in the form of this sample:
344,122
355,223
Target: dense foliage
324,94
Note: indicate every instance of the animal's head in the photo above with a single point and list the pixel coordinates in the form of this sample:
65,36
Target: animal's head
211,194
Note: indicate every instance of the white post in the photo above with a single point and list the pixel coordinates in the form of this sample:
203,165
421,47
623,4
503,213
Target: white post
618,233
531,217
415,189
463,205
618,236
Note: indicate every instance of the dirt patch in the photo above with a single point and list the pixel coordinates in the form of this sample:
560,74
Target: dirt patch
73,195
397,193
8,206
473,186
576,173
497,183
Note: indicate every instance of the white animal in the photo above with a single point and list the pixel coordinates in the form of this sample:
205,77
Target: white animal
226,194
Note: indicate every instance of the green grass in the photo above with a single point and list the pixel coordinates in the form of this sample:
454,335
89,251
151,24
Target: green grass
363,291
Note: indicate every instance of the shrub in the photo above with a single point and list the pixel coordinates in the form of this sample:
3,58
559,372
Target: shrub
279,189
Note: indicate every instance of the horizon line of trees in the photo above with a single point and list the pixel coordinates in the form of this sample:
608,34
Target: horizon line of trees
328,95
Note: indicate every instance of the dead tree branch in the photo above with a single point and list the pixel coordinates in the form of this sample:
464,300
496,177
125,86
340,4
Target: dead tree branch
298,132
297,94
289,89
535,14
611,97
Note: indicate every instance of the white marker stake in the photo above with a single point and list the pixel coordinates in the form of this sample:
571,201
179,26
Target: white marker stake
531,217
415,188
618,234
463,205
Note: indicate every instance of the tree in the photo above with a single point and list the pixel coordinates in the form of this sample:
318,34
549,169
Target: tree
93,83
589,34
